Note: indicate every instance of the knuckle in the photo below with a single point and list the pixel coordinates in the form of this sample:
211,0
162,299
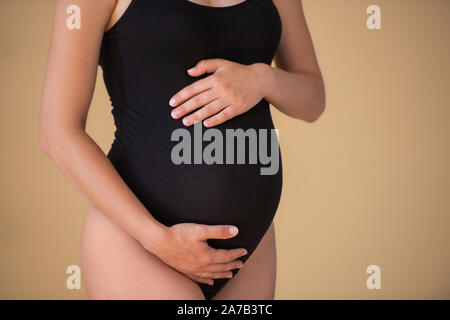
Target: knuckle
205,260
235,254
186,92
195,117
225,86
205,229
205,110
181,109
210,95
195,269
216,107
181,95
199,230
223,254
219,117
216,79
223,230
238,101
196,100
227,112
203,113
231,256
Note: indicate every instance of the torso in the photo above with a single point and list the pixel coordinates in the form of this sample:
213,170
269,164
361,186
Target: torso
144,57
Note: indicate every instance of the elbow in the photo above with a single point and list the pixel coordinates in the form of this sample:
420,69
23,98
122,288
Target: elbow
44,142
48,138
316,113
319,108
316,106
53,140
44,133
51,136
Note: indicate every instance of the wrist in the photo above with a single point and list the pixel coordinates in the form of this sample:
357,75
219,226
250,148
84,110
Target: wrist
153,236
264,76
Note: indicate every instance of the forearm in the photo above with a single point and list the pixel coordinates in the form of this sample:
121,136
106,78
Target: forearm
86,166
298,95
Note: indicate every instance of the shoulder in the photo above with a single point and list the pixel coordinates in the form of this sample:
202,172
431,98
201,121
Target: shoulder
86,7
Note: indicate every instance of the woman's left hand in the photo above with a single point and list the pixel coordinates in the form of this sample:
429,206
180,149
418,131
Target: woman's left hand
231,90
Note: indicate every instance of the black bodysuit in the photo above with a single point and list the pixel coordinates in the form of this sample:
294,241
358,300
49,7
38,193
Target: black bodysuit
144,58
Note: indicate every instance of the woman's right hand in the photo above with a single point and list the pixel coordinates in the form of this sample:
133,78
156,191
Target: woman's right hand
185,249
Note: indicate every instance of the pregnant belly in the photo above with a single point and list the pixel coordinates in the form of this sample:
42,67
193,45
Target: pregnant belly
207,194
235,194
217,193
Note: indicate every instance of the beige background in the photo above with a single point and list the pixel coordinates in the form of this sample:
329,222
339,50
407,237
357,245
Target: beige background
366,184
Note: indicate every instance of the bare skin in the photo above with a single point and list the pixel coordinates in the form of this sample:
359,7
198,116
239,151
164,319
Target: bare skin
126,253
115,266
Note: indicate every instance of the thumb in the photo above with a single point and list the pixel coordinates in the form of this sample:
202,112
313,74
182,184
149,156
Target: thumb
205,66
218,232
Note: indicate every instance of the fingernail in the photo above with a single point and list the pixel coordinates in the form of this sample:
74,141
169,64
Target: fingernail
206,123
187,121
211,283
191,69
230,276
245,252
172,102
233,230
175,114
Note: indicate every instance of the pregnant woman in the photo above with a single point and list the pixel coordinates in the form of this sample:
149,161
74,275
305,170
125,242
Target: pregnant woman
158,228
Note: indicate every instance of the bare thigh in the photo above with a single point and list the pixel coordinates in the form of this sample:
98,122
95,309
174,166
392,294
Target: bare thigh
116,266
256,280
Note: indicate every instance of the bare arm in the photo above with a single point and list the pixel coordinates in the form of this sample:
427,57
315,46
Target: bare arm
67,93
68,88
296,86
